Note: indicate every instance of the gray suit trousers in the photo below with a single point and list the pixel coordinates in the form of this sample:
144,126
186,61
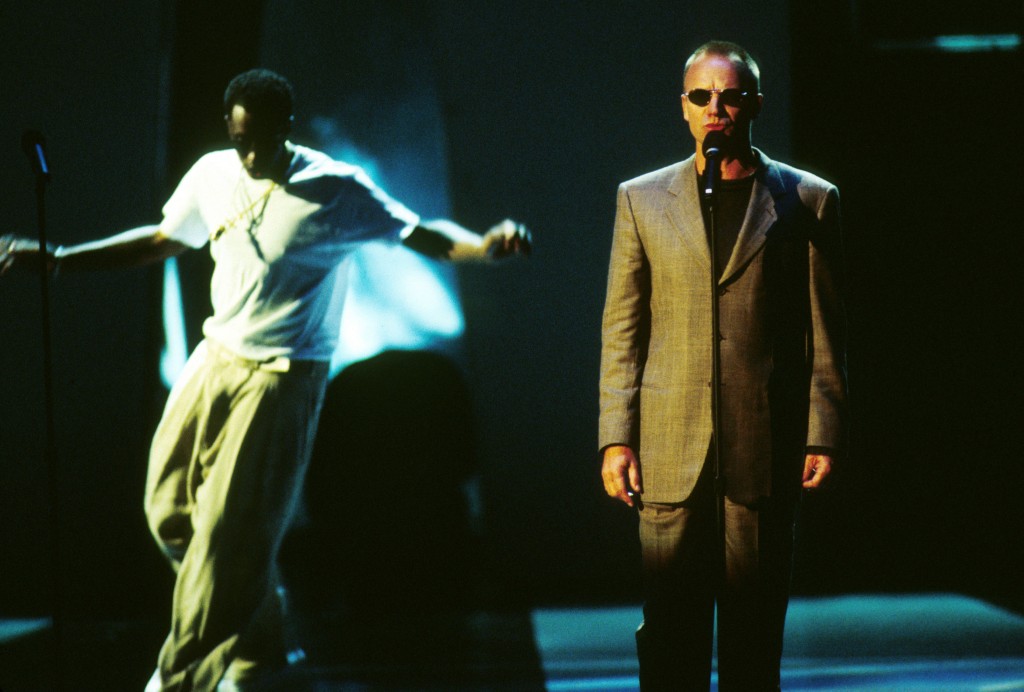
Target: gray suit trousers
686,572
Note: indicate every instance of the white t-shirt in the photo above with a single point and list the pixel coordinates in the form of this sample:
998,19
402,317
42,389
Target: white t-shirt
280,252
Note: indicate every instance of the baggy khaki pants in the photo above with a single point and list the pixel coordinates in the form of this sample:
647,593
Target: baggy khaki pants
226,469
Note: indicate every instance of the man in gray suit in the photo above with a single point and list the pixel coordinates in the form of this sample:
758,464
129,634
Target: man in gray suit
782,383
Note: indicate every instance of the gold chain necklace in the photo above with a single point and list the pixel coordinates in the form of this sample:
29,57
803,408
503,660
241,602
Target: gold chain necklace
254,219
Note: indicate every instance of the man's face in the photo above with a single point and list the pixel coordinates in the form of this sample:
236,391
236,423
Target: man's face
260,145
733,120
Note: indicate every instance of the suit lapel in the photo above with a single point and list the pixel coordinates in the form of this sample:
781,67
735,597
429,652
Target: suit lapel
760,216
685,214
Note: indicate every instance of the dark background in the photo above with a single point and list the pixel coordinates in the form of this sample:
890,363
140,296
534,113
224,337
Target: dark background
542,108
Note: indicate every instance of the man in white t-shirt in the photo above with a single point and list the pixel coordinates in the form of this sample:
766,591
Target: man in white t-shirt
230,453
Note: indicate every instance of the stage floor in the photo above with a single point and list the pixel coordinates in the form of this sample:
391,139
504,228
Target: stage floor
849,643
936,642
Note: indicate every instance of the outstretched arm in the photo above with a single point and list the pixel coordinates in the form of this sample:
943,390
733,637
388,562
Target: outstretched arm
442,239
133,248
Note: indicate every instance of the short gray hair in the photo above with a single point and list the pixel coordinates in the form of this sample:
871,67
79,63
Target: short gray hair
735,53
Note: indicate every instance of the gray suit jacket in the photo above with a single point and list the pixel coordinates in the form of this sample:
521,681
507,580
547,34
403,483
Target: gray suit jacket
782,327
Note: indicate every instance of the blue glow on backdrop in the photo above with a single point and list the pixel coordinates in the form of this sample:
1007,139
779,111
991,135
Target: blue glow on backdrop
969,43
956,43
397,299
175,350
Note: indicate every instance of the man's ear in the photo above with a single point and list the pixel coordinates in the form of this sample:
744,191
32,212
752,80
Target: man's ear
757,107
286,127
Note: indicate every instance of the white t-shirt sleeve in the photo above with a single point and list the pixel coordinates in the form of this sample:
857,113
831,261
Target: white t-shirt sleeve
373,214
183,219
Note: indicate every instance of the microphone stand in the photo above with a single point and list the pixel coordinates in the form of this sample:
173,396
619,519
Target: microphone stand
33,144
712,176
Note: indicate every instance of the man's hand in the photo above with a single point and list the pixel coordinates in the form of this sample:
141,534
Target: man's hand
23,253
620,471
817,468
444,239
506,239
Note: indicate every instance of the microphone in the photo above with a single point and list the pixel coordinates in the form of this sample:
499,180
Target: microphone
714,143
34,145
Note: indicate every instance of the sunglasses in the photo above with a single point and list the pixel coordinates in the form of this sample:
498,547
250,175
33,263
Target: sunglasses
734,98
